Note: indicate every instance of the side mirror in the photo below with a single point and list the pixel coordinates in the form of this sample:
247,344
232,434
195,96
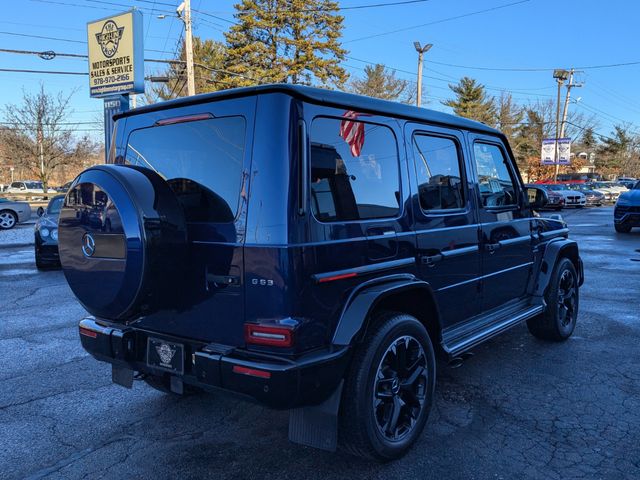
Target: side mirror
538,197
40,211
22,187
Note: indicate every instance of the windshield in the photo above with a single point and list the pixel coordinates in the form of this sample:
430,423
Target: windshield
637,186
201,160
33,185
55,205
556,187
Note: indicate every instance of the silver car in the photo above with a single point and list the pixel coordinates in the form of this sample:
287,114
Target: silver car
13,212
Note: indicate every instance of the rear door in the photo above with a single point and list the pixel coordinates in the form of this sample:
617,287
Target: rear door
445,220
505,230
203,152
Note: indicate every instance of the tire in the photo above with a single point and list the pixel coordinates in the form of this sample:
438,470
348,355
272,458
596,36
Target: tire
8,219
558,320
369,401
162,384
40,265
622,228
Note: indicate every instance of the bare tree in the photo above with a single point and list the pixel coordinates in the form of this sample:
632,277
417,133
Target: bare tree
40,137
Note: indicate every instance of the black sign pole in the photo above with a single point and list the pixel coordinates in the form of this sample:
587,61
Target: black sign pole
112,106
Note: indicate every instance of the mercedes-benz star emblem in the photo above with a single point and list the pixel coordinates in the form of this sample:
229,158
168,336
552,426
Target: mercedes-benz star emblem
88,245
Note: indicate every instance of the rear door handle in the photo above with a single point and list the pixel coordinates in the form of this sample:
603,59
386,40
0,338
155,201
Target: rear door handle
431,260
375,231
492,247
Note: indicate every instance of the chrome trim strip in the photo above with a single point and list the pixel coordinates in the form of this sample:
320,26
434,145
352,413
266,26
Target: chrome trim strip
484,276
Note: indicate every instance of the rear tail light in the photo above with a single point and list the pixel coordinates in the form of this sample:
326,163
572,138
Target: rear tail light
275,336
252,372
88,333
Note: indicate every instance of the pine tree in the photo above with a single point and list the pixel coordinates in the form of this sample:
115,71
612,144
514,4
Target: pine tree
616,152
380,83
291,41
589,140
509,116
208,58
472,101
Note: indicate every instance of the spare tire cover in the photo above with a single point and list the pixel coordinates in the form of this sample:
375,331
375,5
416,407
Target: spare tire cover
122,241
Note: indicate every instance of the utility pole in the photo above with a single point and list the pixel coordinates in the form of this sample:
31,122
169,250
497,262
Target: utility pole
560,76
570,85
184,12
40,142
421,51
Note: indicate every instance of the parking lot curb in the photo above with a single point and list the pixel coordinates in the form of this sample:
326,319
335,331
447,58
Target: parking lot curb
16,245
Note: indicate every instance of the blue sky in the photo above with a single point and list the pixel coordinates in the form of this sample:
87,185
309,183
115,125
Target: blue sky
533,34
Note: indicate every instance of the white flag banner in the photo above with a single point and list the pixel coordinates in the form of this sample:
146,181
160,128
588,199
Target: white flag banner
564,151
548,156
548,151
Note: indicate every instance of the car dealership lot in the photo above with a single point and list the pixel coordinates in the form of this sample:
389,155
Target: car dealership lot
518,408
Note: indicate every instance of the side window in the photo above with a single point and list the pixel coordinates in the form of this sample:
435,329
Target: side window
495,182
354,170
437,161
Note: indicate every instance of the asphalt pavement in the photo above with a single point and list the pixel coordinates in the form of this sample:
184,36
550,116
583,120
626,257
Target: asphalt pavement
520,408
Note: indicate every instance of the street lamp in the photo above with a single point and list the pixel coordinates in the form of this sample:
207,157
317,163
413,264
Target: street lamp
421,51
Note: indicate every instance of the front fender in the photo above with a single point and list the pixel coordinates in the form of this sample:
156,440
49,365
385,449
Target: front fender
556,248
364,299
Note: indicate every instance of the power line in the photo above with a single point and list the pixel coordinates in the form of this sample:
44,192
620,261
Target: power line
16,70
41,37
413,27
531,69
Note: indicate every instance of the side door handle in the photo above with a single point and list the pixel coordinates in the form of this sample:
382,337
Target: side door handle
492,247
431,260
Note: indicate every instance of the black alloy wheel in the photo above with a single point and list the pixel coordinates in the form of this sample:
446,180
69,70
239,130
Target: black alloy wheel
558,320
389,388
567,298
400,388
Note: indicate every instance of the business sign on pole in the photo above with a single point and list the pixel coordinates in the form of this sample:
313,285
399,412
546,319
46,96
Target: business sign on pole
564,151
548,156
548,151
116,61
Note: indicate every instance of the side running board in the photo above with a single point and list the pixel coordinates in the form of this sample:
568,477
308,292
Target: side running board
462,338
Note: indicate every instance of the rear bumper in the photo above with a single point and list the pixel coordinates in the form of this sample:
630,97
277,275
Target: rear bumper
271,380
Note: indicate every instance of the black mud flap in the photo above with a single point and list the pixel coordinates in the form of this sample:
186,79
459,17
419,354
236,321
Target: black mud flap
317,426
122,376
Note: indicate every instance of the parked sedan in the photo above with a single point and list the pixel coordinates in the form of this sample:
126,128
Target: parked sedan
572,198
556,200
594,197
626,213
46,235
610,194
12,213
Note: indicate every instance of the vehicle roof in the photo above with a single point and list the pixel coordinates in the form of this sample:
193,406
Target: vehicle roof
325,97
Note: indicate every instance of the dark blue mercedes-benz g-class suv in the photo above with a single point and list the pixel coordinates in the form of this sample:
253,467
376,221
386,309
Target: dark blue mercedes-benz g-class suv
314,250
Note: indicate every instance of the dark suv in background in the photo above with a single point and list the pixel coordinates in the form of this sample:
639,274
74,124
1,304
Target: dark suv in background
313,250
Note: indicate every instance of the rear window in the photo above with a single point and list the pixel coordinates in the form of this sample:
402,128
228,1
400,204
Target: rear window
354,170
201,160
